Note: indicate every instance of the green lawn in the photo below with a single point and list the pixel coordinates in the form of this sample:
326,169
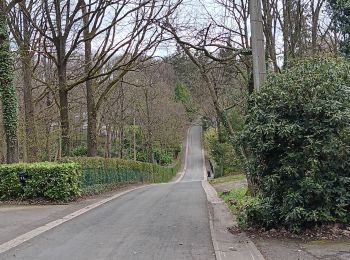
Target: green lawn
237,177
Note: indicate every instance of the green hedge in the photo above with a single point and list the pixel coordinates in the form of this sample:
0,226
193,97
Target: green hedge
52,181
66,180
100,171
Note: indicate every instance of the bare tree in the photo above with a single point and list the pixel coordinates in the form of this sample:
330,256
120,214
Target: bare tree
204,65
117,55
26,40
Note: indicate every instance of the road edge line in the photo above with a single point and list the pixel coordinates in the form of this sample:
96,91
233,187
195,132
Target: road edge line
48,226
186,155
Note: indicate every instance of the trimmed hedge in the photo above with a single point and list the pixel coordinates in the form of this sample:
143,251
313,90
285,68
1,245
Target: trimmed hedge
68,179
100,171
51,181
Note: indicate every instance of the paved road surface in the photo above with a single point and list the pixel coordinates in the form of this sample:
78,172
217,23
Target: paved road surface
165,222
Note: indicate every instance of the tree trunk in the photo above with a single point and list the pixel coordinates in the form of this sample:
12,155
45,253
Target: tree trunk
134,137
315,12
268,28
30,129
121,141
91,129
286,31
108,146
64,115
121,120
149,131
49,101
60,42
116,140
90,91
150,156
8,91
47,142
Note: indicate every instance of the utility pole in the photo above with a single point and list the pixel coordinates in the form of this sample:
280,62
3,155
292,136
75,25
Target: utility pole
257,38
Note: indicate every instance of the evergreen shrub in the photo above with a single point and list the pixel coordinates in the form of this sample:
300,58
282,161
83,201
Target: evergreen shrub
297,142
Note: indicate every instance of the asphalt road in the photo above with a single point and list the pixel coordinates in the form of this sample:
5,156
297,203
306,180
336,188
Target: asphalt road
165,222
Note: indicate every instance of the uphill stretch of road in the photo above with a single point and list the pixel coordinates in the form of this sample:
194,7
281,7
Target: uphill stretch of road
166,222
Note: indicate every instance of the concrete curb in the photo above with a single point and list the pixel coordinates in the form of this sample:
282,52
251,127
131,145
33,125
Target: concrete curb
226,245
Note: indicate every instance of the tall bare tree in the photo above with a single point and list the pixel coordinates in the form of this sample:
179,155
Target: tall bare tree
27,41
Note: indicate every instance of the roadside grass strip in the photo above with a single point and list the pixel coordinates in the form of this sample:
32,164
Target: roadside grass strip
236,177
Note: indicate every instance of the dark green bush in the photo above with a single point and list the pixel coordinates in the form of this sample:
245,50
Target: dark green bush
45,180
80,151
297,143
163,156
141,156
222,154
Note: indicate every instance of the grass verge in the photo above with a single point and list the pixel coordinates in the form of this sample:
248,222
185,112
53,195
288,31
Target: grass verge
236,199
236,177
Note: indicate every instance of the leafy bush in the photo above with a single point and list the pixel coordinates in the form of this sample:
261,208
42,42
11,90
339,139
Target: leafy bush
141,156
52,181
238,200
163,156
80,151
297,143
222,153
